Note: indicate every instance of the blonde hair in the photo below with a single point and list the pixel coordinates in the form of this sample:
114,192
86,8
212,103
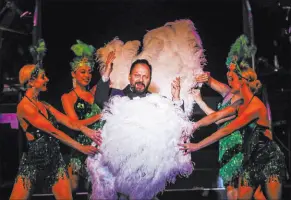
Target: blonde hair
252,79
25,74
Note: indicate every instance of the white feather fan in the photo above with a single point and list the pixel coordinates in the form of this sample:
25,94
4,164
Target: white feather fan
173,50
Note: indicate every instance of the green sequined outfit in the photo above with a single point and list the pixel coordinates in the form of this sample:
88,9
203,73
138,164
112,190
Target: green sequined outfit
84,110
230,155
42,158
263,158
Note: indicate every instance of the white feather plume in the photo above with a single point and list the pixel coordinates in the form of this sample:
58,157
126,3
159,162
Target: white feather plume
173,50
140,152
125,54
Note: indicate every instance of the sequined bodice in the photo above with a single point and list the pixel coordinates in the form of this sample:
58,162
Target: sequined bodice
86,110
253,138
230,156
263,159
36,132
221,106
228,142
82,107
43,150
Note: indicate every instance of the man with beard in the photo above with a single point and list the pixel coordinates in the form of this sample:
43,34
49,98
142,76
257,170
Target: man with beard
140,75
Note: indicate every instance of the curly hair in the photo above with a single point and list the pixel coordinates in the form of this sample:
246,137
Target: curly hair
251,76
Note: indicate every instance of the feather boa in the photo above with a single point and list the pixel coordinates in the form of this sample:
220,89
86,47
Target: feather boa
140,152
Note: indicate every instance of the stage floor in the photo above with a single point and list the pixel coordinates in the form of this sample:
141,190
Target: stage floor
179,194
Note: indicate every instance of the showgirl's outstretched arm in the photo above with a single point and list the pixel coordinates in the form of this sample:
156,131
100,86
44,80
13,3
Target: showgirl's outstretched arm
196,93
198,99
30,113
251,113
221,88
76,124
215,116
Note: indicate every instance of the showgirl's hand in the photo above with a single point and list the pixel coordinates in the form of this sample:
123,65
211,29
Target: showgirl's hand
175,89
88,150
202,78
94,135
99,116
185,138
109,64
189,147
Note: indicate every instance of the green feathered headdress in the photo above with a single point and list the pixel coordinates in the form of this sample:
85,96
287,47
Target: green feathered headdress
240,52
84,55
38,52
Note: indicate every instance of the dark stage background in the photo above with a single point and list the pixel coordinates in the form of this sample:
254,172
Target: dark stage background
219,23
98,23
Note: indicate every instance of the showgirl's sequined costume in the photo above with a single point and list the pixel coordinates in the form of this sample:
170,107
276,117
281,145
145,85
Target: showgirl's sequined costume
42,158
84,110
230,155
263,159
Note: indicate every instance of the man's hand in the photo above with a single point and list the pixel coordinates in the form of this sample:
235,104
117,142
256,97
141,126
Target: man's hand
109,64
175,89
196,95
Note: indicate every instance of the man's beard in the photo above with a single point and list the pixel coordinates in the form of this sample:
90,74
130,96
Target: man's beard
138,92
